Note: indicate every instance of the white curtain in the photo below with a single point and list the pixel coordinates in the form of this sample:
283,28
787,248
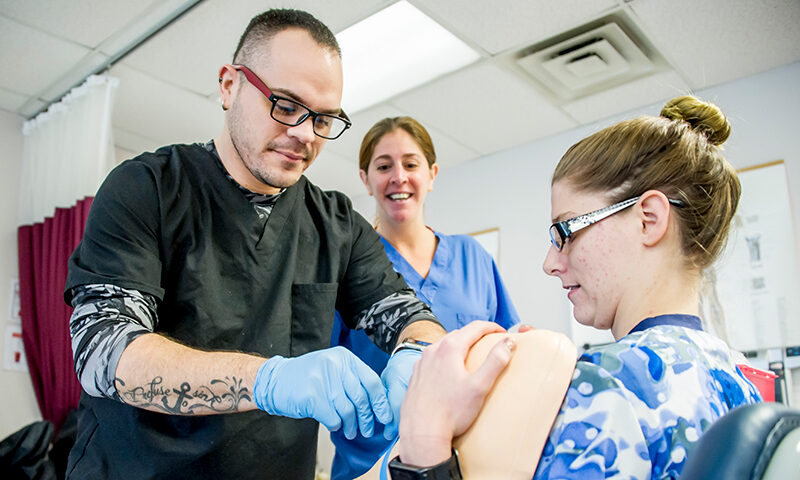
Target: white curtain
68,150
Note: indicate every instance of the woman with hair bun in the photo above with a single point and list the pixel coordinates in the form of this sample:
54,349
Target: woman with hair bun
639,210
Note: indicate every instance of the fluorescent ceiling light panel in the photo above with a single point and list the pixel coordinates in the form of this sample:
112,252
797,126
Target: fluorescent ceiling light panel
395,50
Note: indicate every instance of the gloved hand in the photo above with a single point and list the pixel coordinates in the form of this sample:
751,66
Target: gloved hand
333,386
395,378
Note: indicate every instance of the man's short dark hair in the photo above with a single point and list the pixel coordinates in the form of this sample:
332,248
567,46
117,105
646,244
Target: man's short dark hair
266,25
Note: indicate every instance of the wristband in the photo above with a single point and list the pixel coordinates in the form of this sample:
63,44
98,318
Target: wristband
447,470
411,344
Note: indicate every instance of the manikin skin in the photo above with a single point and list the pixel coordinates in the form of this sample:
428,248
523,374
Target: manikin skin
507,438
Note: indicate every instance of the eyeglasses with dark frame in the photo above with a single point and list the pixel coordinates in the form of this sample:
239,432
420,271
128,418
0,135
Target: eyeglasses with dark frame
289,112
560,232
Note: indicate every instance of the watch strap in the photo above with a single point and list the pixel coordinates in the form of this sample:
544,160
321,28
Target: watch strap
411,344
450,469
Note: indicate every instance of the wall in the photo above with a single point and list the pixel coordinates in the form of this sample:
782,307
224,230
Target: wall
19,406
511,189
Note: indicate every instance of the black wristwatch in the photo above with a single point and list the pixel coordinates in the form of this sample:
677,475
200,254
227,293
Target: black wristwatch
447,470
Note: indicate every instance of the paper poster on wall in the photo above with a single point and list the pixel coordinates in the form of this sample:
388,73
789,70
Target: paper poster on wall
14,353
14,314
757,277
489,240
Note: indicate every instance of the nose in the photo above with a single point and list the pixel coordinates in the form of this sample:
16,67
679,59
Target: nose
553,263
399,174
304,133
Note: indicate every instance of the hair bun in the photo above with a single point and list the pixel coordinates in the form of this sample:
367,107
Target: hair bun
704,117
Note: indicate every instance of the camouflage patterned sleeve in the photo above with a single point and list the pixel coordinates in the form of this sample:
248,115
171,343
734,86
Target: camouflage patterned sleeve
106,319
386,318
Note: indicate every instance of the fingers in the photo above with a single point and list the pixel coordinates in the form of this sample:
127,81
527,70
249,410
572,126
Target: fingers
465,337
396,394
526,328
343,407
360,400
496,361
378,401
357,395
395,378
329,416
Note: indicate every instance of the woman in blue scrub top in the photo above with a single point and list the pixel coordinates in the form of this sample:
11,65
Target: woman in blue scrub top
451,273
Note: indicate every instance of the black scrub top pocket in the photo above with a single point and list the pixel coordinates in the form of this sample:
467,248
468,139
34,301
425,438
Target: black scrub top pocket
313,307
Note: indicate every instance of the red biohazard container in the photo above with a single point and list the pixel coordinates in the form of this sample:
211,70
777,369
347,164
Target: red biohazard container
764,381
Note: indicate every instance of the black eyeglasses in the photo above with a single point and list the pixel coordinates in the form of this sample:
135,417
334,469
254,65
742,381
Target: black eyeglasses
560,232
288,112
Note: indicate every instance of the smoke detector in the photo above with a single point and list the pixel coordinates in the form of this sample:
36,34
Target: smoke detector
587,63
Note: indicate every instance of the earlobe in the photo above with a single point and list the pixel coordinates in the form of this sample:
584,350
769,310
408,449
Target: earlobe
363,175
225,85
434,172
654,215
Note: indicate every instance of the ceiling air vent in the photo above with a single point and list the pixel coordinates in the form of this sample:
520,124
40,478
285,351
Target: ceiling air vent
587,63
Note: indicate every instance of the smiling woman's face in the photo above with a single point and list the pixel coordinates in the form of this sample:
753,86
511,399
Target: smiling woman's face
399,177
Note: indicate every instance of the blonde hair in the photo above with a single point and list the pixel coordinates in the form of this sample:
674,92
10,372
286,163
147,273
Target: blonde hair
678,154
389,125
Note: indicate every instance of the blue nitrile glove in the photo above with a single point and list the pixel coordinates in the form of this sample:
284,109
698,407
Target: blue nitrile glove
395,378
331,386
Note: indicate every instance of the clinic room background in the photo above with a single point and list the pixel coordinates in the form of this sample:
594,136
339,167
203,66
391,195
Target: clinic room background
502,106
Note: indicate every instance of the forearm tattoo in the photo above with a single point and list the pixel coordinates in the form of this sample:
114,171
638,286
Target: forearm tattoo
106,319
386,318
219,396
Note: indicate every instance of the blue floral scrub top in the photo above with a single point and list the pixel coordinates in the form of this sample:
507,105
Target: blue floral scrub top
463,285
636,408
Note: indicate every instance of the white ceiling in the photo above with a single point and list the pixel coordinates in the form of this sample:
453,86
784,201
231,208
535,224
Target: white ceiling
167,90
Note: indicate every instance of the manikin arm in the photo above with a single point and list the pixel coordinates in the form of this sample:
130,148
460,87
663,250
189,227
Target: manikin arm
507,437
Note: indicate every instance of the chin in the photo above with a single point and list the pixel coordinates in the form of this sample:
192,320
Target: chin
395,216
587,320
584,322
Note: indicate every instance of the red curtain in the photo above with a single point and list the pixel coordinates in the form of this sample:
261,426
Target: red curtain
44,249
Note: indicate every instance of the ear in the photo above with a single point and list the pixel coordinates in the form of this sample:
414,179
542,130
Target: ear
654,213
363,175
434,171
228,79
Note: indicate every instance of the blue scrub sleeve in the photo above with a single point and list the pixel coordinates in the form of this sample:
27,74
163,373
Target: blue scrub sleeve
506,315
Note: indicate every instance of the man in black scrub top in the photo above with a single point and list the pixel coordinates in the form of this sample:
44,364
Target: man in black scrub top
206,281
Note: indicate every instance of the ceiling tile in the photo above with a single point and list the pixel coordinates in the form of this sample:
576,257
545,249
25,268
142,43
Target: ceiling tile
155,110
190,52
503,24
487,108
646,91
449,151
87,22
31,60
349,144
32,107
722,40
11,101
